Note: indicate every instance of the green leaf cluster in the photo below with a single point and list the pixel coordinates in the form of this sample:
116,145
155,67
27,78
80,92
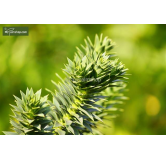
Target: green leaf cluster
94,84
30,114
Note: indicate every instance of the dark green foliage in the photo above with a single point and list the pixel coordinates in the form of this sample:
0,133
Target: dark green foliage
79,102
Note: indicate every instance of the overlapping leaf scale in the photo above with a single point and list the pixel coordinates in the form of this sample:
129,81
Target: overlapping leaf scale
93,70
30,115
76,107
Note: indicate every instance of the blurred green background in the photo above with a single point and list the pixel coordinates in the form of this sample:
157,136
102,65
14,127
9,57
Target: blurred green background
32,61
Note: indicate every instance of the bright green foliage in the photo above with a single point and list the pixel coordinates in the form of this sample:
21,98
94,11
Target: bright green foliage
92,71
79,102
30,115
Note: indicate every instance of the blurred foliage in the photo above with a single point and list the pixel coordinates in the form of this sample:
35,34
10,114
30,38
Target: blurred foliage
32,61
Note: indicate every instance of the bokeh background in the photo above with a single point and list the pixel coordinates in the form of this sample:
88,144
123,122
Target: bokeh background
32,61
